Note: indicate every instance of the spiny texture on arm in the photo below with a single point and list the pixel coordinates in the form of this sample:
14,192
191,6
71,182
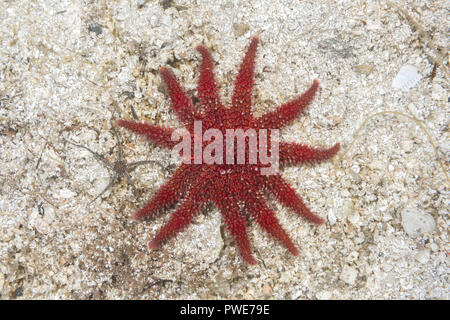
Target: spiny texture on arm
237,226
208,94
286,113
169,192
265,217
181,103
157,134
284,193
294,153
243,85
179,220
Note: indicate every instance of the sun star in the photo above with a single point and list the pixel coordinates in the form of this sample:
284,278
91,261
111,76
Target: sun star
235,189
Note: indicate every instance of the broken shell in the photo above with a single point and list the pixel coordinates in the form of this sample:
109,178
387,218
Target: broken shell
406,78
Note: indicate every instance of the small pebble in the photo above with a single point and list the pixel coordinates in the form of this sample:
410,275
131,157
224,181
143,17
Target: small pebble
407,77
2,280
423,256
96,28
353,217
438,93
240,29
349,275
347,209
407,146
365,68
377,165
267,290
66,193
324,295
416,221
331,217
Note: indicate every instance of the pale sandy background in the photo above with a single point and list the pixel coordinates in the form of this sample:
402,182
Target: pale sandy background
68,67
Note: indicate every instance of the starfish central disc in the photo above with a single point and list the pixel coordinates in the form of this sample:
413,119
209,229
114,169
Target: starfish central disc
235,188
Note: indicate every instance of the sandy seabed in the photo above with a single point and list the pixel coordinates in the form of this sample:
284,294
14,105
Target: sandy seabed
67,69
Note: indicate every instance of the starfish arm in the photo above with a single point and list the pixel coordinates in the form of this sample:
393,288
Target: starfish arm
169,192
236,225
256,206
287,112
157,134
287,196
181,218
181,103
208,94
294,153
243,85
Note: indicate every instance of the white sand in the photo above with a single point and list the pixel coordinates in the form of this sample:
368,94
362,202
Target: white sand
66,69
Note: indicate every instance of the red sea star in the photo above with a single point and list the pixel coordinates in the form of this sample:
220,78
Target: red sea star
233,188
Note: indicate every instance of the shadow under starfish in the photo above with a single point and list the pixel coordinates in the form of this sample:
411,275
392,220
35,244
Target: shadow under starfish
120,168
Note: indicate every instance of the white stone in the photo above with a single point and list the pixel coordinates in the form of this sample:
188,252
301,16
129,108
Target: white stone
347,209
377,165
416,221
434,247
438,93
2,281
353,217
407,146
66,193
349,275
407,77
423,256
331,217
324,295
